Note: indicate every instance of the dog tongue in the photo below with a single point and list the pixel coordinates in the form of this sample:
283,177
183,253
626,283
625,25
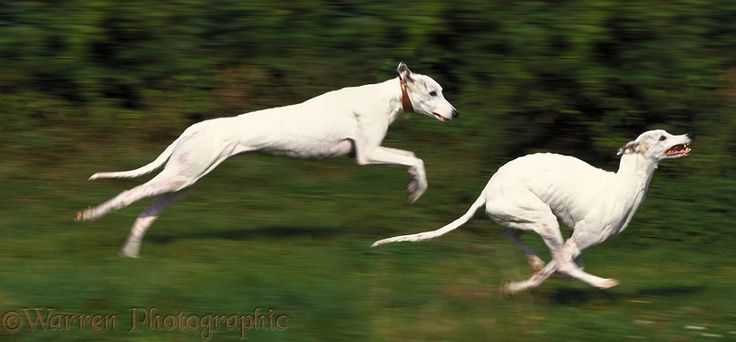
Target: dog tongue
675,150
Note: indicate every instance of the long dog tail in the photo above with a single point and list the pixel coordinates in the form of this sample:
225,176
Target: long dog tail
148,168
439,232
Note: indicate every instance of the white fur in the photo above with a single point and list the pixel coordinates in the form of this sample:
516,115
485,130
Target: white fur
534,191
330,125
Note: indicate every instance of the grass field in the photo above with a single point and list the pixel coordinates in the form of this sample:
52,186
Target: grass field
297,241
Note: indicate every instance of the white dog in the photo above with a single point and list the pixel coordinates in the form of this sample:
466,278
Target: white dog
534,191
330,125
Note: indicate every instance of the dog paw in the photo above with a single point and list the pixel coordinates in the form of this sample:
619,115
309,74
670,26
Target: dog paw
414,196
84,215
129,252
412,186
516,287
416,188
608,283
536,263
81,215
131,256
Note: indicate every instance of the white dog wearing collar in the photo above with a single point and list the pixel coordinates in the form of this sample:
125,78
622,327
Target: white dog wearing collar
333,124
532,192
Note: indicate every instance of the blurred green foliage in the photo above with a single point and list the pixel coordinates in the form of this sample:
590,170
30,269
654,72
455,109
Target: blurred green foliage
101,85
572,77
553,75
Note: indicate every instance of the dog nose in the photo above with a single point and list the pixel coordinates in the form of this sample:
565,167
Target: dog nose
455,113
690,135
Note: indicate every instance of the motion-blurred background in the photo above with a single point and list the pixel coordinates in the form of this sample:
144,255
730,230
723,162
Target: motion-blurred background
89,86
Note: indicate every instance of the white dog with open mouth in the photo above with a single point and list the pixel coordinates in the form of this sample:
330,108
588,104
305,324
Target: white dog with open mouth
532,192
333,124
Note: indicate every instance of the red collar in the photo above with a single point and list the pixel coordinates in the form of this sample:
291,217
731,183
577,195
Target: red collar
405,101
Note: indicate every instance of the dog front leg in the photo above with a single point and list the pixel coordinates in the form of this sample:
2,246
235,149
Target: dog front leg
572,252
392,156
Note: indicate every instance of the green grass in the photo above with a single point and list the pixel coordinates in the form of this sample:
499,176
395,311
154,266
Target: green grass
297,241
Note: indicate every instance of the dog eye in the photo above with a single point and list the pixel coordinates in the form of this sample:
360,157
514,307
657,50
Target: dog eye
432,93
662,138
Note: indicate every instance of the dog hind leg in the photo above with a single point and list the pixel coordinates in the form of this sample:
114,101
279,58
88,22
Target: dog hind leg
145,220
192,159
518,208
535,262
158,185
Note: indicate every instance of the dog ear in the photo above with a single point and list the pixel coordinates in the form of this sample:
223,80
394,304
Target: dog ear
404,72
630,147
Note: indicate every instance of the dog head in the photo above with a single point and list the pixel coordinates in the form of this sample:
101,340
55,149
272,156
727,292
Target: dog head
658,145
425,95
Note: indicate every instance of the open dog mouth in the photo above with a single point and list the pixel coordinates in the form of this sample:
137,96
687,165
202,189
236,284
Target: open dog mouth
678,150
439,117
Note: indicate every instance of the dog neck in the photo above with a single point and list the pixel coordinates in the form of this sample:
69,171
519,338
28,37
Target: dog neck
636,163
405,101
637,168
633,176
